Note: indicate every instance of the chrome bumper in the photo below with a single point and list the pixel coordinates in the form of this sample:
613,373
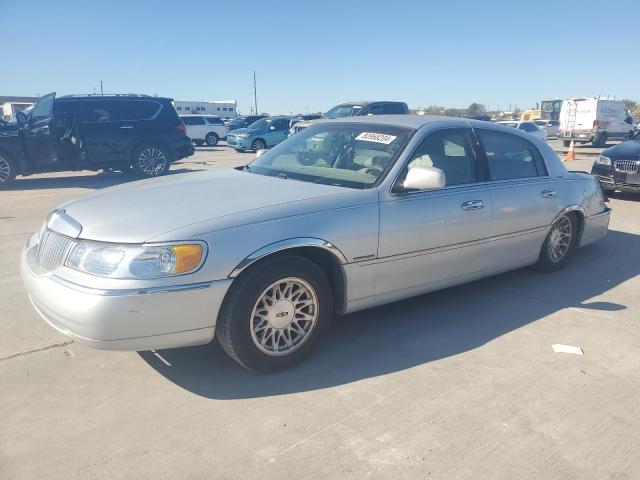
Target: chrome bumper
127,319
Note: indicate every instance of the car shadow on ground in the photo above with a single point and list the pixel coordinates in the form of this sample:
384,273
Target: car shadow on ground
424,329
95,181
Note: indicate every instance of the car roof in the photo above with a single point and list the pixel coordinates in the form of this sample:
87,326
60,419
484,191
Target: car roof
128,96
411,121
367,102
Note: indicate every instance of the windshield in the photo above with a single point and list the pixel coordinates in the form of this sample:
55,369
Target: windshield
342,154
343,110
261,124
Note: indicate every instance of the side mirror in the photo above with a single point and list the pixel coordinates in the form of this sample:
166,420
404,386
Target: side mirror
261,152
21,118
424,178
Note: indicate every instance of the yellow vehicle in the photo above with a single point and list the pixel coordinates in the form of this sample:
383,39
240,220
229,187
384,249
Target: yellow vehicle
530,115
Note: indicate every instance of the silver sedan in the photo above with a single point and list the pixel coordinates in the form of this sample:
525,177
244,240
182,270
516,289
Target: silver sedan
346,215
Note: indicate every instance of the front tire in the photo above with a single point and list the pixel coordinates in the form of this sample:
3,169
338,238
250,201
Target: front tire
150,160
211,139
275,313
258,145
8,171
559,244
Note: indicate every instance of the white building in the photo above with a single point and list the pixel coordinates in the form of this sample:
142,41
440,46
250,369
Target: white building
9,106
222,108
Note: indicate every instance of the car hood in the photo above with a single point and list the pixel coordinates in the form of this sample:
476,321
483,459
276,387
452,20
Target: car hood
250,131
630,148
203,201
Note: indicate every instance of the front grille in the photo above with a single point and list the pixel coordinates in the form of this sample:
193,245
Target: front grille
52,250
627,166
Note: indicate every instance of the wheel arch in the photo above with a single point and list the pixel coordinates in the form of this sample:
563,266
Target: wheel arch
578,212
321,252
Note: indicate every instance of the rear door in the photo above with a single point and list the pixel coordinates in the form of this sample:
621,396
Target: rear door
100,122
38,133
524,199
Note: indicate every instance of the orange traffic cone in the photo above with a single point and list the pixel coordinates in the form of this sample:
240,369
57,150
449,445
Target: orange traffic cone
571,153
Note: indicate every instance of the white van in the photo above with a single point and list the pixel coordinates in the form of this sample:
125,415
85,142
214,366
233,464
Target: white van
596,120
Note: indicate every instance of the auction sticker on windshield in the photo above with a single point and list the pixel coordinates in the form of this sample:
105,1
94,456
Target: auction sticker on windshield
376,137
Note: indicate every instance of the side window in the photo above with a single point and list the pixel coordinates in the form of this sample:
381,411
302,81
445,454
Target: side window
449,150
280,124
138,110
214,120
100,111
193,120
375,110
510,156
393,108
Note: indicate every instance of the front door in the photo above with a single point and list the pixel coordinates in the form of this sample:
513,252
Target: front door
433,238
525,199
278,131
39,134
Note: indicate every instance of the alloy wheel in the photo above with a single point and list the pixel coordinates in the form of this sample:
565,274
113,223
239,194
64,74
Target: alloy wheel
152,161
5,170
258,145
284,316
560,239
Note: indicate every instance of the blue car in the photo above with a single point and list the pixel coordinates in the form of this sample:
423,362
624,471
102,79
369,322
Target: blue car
265,133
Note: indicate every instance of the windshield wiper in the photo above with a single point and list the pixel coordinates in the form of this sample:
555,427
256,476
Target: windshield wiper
282,176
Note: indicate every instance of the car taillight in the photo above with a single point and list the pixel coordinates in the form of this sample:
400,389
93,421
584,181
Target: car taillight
181,126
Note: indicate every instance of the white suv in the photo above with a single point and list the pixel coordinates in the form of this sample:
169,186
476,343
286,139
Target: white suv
204,129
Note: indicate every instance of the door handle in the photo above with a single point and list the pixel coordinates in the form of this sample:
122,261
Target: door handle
472,205
548,193
127,126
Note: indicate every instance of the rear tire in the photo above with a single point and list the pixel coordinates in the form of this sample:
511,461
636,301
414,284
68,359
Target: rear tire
150,160
600,140
267,331
211,139
8,171
559,244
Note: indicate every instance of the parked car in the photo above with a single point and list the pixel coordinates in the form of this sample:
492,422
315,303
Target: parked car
550,126
204,129
356,109
346,215
133,133
595,120
300,118
618,168
242,122
529,127
265,133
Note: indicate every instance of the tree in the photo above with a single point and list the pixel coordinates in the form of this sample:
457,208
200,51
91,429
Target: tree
631,105
476,109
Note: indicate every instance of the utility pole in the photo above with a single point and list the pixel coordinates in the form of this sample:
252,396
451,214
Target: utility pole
101,90
255,95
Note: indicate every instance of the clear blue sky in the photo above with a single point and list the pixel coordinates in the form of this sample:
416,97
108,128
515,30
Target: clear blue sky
317,53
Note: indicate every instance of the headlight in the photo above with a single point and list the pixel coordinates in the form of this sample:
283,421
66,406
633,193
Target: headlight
243,135
603,160
136,261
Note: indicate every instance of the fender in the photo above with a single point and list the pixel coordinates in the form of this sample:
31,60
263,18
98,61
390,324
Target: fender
286,245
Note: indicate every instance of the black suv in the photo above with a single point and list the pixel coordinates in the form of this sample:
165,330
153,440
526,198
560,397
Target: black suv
133,133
